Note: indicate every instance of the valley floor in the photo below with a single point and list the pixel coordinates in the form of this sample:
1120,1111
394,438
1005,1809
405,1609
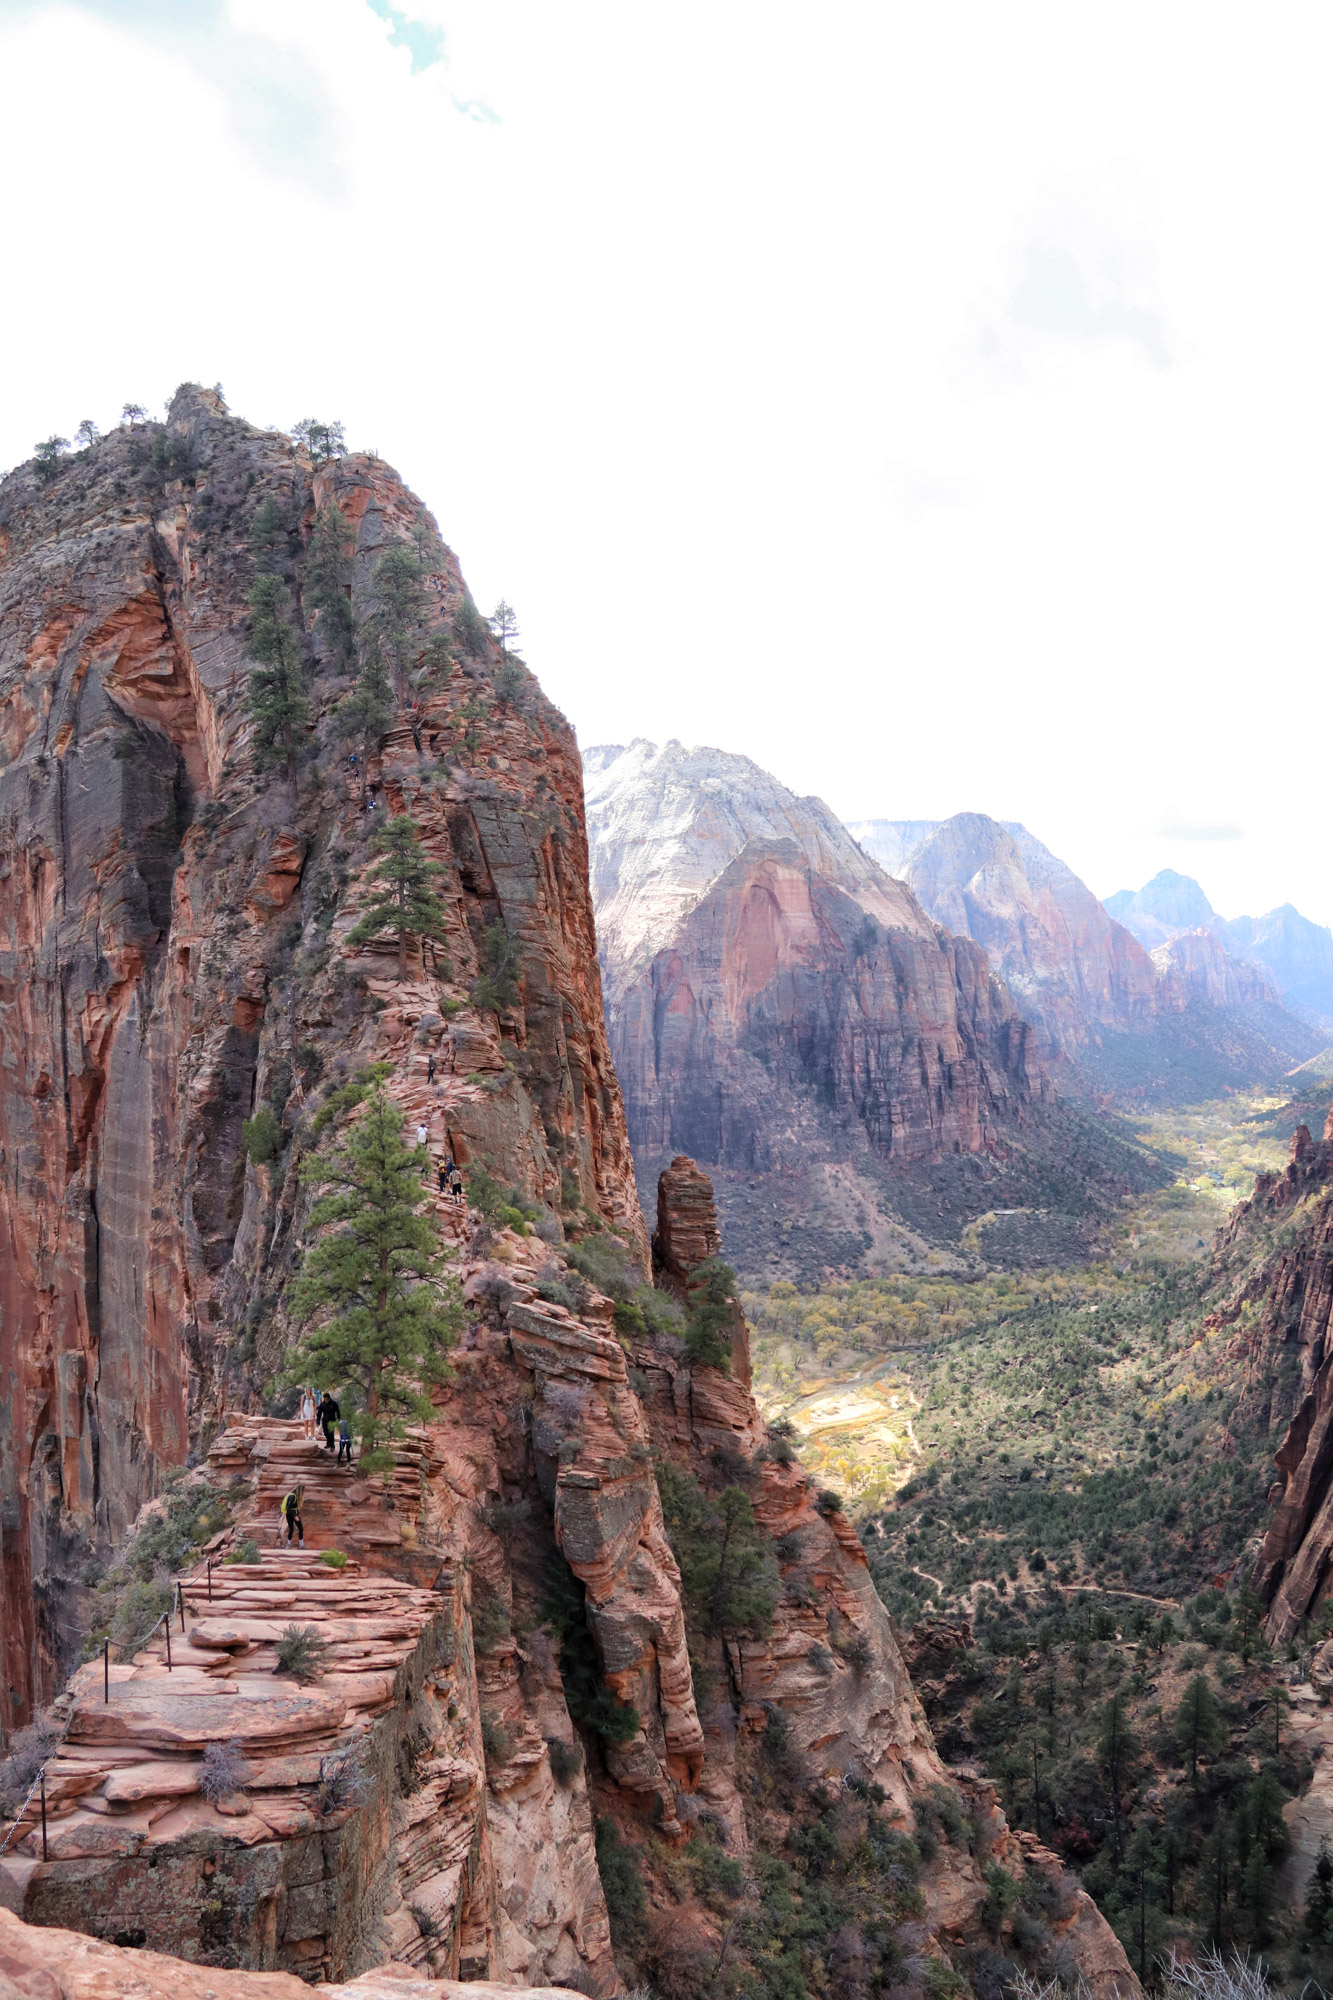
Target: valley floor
1060,1477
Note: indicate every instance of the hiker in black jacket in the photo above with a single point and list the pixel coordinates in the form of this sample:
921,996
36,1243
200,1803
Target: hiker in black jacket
329,1413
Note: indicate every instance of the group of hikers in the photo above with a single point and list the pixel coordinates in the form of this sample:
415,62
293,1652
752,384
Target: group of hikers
449,1178
321,1412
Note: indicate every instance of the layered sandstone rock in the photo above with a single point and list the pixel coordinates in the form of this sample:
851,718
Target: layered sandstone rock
1295,1290
152,886
48,1963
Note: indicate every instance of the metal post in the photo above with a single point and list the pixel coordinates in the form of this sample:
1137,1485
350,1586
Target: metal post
44,1853
106,1670
180,1600
209,1569
167,1622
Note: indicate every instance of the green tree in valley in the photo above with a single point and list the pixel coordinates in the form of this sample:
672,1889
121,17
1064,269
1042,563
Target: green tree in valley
496,987
363,716
380,1307
328,584
404,902
1116,1751
1199,1727
712,1302
275,698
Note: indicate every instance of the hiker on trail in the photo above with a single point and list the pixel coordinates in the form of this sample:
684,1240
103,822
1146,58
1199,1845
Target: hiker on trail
444,1177
456,1185
344,1441
422,1135
291,1514
308,1413
329,1413
430,1069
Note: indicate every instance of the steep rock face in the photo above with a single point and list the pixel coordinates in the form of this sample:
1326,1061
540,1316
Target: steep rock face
1197,1014
830,1665
1196,967
781,1003
1167,904
1294,1292
1297,953
150,882
1069,967
776,1003
664,823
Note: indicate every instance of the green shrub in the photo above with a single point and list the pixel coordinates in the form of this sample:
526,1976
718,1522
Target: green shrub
302,1653
496,1740
566,1762
726,1565
333,1558
622,1884
490,1625
138,1614
713,1301
246,1551
262,1135
590,1703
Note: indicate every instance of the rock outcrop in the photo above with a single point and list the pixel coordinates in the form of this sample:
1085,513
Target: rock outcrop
1296,954
1293,1291
854,1075
1130,1009
156,895
506,1665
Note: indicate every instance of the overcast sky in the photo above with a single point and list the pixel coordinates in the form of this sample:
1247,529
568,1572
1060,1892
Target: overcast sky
930,401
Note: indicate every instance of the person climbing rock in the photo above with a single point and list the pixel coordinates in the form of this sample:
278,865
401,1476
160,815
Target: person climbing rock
430,1069
444,1178
329,1413
456,1185
344,1441
291,1514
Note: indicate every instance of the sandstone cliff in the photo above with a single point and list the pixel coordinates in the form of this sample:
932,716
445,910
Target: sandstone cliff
1194,1017
1285,1301
164,927
537,1672
855,1074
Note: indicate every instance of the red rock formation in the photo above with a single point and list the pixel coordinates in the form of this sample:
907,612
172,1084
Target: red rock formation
1295,1287
779,990
152,882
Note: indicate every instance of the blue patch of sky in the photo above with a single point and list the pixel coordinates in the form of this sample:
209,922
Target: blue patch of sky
425,45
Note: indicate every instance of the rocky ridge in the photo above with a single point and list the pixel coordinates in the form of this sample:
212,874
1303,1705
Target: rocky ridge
166,918
854,1074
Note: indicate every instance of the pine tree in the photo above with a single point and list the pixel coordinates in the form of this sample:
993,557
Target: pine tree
363,716
1199,1727
503,622
470,629
401,605
497,986
405,902
711,1300
381,1308
328,576
321,440
275,698
266,532
1116,1749
1319,1895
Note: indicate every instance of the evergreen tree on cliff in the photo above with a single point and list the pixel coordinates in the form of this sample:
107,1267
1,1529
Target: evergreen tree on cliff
275,698
405,902
401,606
381,1309
367,711
328,576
